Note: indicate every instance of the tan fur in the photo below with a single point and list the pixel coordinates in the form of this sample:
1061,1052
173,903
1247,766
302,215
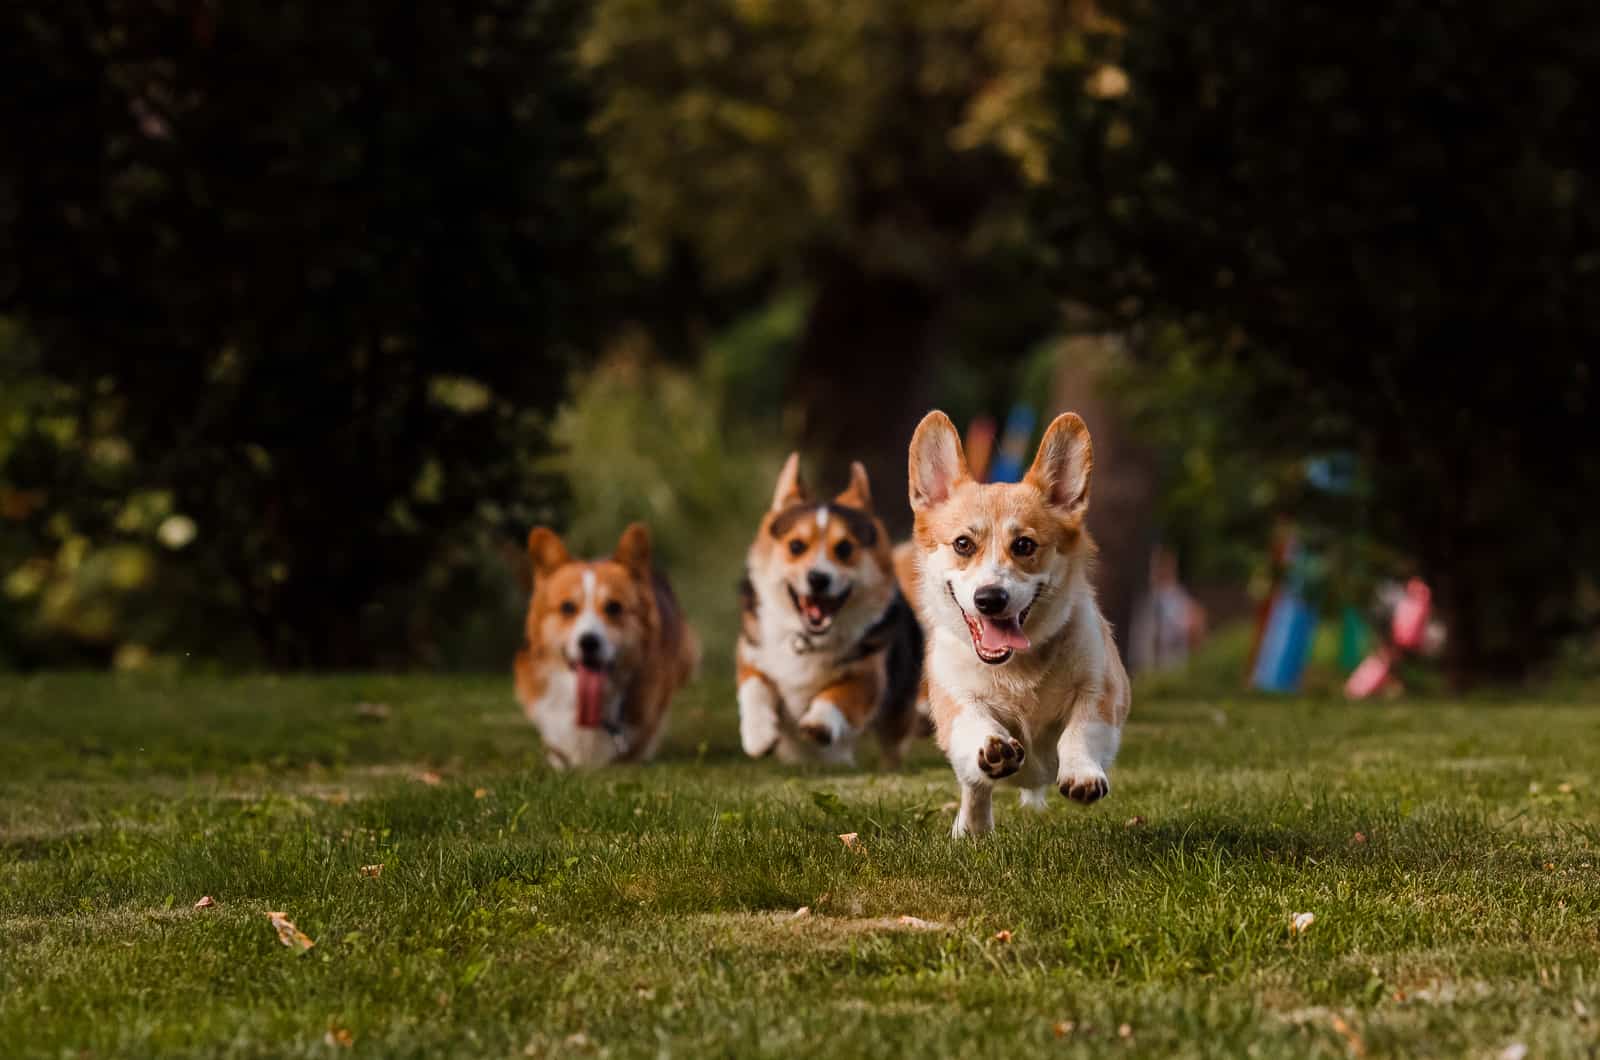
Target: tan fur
656,650
1036,713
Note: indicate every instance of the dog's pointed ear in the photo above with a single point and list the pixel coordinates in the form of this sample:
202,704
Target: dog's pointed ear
633,549
859,493
791,488
938,463
546,551
1061,469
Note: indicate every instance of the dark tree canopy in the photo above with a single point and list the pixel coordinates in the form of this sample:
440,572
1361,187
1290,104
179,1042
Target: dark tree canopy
1386,229
317,264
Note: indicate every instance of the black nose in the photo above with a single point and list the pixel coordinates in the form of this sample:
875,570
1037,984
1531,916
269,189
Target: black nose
991,599
589,645
818,581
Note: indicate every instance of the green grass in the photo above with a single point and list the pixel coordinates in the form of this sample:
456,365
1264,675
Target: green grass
642,912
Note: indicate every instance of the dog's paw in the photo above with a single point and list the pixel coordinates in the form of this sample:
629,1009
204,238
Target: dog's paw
758,732
1086,787
817,732
1000,756
823,724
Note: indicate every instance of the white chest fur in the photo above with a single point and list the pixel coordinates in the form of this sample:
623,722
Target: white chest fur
555,715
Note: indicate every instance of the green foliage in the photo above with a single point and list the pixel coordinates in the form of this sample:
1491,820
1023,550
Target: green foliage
1370,234
1445,850
306,274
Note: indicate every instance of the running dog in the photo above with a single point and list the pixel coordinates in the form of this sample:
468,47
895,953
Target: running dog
827,644
1024,681
606,648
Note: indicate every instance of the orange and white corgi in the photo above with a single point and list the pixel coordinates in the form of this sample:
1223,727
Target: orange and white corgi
607,646
1024,680
827,643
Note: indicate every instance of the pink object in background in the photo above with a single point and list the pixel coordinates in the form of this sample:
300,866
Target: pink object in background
1367,678
1411,616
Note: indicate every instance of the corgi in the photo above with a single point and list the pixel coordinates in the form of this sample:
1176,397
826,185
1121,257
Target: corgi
1023,679
827,643
606,646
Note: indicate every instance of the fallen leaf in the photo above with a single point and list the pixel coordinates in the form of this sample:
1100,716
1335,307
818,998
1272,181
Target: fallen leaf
1125,1031
1302,923
918,923
1358,839
1136,821
480,793
372,871
1514,1051
1002,936
852,841
579,1040
338,1038
430,778
288,934
1063,1028
373,711
801,913
205,902
1351,1039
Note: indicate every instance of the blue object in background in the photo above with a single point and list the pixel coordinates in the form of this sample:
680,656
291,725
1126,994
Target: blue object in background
1013,458
1286,645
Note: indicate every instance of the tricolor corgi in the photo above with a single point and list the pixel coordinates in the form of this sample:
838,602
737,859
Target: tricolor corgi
607,646
1024,680
827,643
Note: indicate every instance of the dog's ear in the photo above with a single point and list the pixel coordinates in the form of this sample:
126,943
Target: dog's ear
633,550
1061,469
791,488
938,463
546,551
859,493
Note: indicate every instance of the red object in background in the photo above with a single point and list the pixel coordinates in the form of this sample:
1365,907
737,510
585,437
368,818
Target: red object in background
1411,616
980,446
1370,676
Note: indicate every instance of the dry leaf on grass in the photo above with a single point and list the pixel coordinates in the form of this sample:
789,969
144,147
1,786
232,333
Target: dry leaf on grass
1514,1051
372,871
918,923
480,793
430,778
852,841
1352,1040
290,935
1358,839
1125,1031
372,711
801,913
1302,923
205,902
1136,821
1064,1028
338,1038
1002,936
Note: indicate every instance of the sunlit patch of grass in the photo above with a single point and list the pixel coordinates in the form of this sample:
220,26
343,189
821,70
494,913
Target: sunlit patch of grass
1447,850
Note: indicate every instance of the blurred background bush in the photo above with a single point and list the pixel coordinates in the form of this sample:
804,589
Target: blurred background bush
308,313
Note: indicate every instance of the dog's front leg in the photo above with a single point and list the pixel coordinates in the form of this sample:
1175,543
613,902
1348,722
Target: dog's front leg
840,710
758,715
1086,748
982,752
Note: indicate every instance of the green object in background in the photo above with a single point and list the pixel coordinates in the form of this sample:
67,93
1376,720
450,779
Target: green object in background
1354,636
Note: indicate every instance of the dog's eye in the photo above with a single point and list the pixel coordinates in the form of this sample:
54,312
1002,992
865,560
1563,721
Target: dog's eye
796,547
964,545
569,608
613,609
1024,546
843,550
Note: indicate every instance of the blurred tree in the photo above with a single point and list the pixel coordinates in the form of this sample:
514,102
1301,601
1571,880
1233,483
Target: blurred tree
1383,231
872,154
313,267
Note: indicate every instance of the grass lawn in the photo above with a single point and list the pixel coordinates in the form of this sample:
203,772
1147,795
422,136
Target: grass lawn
1448,852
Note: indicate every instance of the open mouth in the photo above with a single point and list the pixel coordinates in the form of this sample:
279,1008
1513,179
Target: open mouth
819,611
593,684
995,640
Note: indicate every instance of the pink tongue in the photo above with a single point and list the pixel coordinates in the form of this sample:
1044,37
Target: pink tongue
998,636
591,697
